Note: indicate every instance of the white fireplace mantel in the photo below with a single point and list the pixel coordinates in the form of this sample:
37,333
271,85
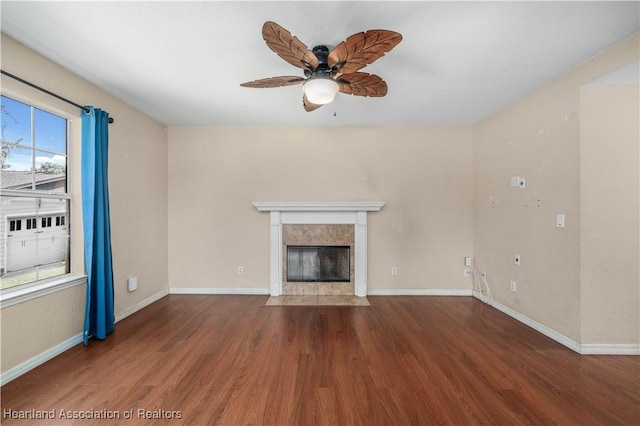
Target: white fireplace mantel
318,207
282,213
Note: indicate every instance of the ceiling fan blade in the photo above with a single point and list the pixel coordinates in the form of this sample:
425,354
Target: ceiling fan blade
362,84
274,82
308,106
361,49
288,47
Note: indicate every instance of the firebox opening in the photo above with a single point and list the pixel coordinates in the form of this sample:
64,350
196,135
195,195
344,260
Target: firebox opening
318,264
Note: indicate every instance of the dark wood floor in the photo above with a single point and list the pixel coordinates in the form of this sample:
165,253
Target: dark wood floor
403,361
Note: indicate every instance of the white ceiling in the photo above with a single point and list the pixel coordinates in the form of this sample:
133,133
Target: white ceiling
182,62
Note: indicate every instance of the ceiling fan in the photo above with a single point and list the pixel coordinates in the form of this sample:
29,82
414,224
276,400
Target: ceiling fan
326,73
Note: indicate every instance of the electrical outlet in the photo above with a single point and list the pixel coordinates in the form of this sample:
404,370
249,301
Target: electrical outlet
467,261
516,259
132,284
513,286
240,270
466,272
394,270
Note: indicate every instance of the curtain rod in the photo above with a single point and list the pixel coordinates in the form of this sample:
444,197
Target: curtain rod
28,83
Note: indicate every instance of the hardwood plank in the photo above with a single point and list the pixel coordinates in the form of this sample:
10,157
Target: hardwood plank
229,360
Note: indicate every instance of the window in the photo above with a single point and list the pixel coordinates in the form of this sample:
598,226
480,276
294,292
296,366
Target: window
34,241
15,225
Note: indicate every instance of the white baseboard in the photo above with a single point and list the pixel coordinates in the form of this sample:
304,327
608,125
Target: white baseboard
218,290
581,348
142,304
417,292
39,359
45,356
549,332
370,292
609,349
482,297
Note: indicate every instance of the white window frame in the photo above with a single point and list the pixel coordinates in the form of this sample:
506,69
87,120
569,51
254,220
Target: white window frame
76,275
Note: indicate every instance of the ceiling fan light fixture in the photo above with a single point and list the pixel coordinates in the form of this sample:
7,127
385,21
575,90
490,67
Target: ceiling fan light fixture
320,91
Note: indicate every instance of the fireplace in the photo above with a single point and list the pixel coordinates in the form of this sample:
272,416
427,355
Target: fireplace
318,264
318,235
318,224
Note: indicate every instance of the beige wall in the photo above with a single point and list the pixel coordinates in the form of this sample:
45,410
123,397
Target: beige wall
138,182
609,214
423,174
30,328
538,138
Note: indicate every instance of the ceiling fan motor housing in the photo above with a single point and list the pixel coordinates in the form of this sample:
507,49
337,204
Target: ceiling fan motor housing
322,53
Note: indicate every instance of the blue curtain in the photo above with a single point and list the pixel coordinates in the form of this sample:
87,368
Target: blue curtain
99,312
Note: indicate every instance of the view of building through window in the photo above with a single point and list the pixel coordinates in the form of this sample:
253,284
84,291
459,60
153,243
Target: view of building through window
34,216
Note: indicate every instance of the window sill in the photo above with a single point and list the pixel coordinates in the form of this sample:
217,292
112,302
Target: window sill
16,296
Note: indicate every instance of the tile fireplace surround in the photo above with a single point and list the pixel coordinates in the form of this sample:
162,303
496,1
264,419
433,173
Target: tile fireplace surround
318,213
